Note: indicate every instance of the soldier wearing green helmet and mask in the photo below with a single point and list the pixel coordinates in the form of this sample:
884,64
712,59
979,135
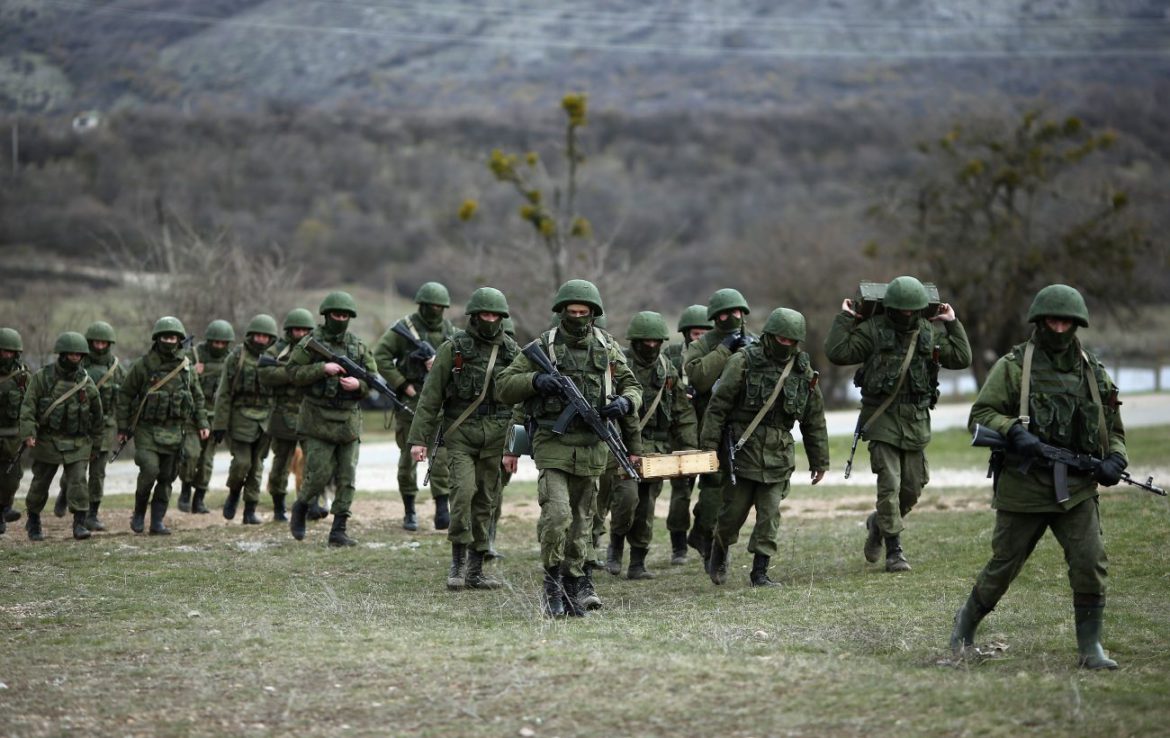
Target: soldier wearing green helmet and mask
282,424
692,324
458,400
61,421
900,350
14,379
208,359
1049,390
242,408
405,366
763,392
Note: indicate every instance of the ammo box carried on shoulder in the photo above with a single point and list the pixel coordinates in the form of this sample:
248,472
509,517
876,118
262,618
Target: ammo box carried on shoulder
870,294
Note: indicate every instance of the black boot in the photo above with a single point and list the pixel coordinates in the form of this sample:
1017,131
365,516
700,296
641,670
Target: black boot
410,519
873,539
717,567
553,597
759,576
455,575
637,568
442,513
33,526
61,506
571,586
138,517
678,548
296,525
92,521
1089,621
966,621
278,511
80,532
316,512
11,515
197,504
895,559
337,536
232,501
185,497
587,598
475,578
250,514
158,511
613,554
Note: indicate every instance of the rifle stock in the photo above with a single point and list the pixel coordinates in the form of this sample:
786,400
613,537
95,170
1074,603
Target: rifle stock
353,369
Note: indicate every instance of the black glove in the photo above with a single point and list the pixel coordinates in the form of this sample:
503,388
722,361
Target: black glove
267,360
1024,442
218,435
546,384
617,407
1109,472
735,341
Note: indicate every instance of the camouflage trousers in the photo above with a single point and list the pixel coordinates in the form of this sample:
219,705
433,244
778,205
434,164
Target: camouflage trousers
248,466
475,493
408,467
96,477
739,500
678,518
901,475
631,508
605,486
198,460
325,462
282,456
74,481
9,480
709,502
157,470
566,516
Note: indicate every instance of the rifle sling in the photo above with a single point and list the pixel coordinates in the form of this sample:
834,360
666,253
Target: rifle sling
108,375
483,393
70,393
657,398
898,387
767,405
155,388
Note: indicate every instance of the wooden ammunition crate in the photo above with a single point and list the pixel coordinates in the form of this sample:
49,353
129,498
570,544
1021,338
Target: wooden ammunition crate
678,464
868,301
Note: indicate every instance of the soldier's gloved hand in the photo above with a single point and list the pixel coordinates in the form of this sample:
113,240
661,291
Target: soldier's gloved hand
218,435
1023,441
617,407
546,384
735,341
1109,472
267,360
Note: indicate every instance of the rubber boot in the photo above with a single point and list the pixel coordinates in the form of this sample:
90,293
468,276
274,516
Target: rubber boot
197,504
759,574
61,505
80,532
967,619
158,511
873,539
185,498
296,524
250,514
11,515
613,554
717,568
637,568
1089,621
475,578
337,536
587,597
33,526
455,575
138,517
442,513
678,548
232,501
895,559
278,511
410,519
553,597
92,521
572,588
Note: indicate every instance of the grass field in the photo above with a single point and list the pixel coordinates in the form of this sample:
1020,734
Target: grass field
234,631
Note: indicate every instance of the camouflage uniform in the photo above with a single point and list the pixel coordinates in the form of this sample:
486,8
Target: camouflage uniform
14,379
282,425
108,374
678,517
199,455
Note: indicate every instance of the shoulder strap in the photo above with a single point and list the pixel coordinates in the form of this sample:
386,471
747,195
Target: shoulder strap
108,375
767,405
410,327
239,370
898,387
1095,392
69,393
1026,383
156,387
552,345
483,393
657,398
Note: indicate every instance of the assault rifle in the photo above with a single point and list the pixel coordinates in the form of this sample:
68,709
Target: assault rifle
853,448
423,350
357,371
579,407
1062,460
729,450
15,463
434,449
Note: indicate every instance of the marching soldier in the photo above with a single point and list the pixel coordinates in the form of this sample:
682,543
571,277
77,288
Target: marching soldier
282,427
692,324
14,379
107,373
199,452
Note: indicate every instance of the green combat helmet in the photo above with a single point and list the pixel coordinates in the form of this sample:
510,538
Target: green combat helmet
169,324
579,291
509,326
433,293
487,300
786,323
99,330
905,293
10,340
726,299
262,323
299,318
647,326
71,342
1059,301
339,302
219,330
694,317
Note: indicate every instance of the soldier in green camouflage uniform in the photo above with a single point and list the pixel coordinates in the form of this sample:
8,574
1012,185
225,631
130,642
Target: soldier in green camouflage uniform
668,423
160,402
570,464
703,363
199,453
107,373
459,397
61,421
242,408
897,435
14,379
330,421
507,469
692,324
282,426
764,390
405,371
1072,404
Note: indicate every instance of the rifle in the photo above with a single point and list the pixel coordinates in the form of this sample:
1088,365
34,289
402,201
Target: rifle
15,463
729,450
434,449
578,406
423,350
853,448
356,370
118,450
1062,460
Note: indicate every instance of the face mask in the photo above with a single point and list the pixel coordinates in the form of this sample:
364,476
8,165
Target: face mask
778,352
67,365
645,353
166,350
902,322
257,348
6,365
335,327
728,323
217,353
432,315
1053,342
486,329
577,327
95,354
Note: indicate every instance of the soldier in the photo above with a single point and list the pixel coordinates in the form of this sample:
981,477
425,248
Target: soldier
763,391
161,400
570,464
902,350
61,421
242,408
330,420
1049,390
458,401
405,363
199,452
692,324
14,378
703,363
507,469
282,427
107,373
667,424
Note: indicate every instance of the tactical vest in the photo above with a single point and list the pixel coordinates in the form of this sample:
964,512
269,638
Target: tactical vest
71,417
108,391
760,377
285,394
246,390
1061,404
411,366
174,401
468,374
878,376
212,368
655,377
328,389
12,387
586,366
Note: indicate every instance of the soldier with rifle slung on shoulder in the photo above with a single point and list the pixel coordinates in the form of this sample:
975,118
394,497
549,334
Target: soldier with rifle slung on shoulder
14,379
